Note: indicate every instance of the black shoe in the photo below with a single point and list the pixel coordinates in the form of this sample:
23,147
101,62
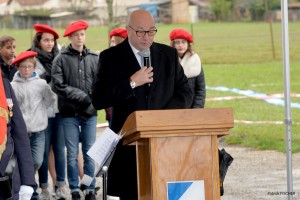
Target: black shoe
35,196
75,196
90,196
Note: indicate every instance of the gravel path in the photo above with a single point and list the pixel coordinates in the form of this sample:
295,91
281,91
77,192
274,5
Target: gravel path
259,175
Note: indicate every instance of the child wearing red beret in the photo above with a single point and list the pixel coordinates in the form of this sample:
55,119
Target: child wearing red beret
117,36
17,178
45,44
34,96
73,75
182,41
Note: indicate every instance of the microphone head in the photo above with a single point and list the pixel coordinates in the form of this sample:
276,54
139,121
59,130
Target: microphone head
146,53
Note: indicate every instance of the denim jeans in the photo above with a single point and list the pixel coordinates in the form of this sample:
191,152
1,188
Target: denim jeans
55,137
37,143
74,128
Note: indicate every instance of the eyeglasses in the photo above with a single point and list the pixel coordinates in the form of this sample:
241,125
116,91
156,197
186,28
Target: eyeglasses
143,33
26,67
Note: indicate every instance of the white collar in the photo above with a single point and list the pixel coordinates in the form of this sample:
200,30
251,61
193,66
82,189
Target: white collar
135,51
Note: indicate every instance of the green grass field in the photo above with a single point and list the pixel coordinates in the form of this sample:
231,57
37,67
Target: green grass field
239,57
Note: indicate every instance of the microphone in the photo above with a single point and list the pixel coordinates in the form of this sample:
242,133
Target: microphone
147,61
146,55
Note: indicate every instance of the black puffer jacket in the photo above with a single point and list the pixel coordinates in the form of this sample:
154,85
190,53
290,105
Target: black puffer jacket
7,70
197,85
73,76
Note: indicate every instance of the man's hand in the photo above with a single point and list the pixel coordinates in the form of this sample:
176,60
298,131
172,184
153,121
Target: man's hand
143,76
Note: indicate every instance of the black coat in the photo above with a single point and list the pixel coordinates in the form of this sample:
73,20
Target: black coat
73,77
7,70
197,85
19,145
169,90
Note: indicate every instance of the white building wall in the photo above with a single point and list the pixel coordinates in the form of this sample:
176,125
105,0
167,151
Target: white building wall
122,2
119,5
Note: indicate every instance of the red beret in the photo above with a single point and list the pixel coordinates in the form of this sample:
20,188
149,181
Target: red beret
41,28
180,34
23,55
75,26
121,32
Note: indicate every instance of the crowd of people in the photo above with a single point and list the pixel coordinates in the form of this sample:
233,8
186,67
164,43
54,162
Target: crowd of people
50,97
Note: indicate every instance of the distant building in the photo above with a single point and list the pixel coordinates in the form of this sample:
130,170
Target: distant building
173,11
24,13
294,11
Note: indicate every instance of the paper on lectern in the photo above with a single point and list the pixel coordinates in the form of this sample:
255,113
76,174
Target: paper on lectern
103,146
100,151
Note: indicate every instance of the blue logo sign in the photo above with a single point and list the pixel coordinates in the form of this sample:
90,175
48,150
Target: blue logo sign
186,190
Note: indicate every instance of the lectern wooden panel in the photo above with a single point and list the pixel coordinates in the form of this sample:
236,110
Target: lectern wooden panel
177,145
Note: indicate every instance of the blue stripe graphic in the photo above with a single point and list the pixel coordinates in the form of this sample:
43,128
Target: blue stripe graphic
177,189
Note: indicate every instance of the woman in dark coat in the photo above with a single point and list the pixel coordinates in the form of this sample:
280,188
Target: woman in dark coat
14,148
191,63
45,44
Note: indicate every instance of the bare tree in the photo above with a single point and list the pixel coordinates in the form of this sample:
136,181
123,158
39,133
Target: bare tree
110,13
81,5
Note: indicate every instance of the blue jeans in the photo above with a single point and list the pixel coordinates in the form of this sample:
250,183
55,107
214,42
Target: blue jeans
55,137
37,143
74,128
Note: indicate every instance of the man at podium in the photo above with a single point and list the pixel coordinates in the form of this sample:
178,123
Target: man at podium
137,74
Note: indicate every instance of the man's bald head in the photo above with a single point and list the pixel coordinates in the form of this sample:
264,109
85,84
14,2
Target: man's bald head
139,22
140,15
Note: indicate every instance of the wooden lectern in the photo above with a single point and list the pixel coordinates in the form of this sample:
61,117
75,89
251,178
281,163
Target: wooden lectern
177,145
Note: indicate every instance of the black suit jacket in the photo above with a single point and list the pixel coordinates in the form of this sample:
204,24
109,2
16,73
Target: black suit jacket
169,90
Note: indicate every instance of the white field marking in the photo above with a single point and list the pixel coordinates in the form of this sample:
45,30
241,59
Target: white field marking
103,125
261,122
225,98
243,97
266,84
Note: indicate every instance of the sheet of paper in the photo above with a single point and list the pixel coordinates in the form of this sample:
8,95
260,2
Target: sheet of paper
103,146
87,180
